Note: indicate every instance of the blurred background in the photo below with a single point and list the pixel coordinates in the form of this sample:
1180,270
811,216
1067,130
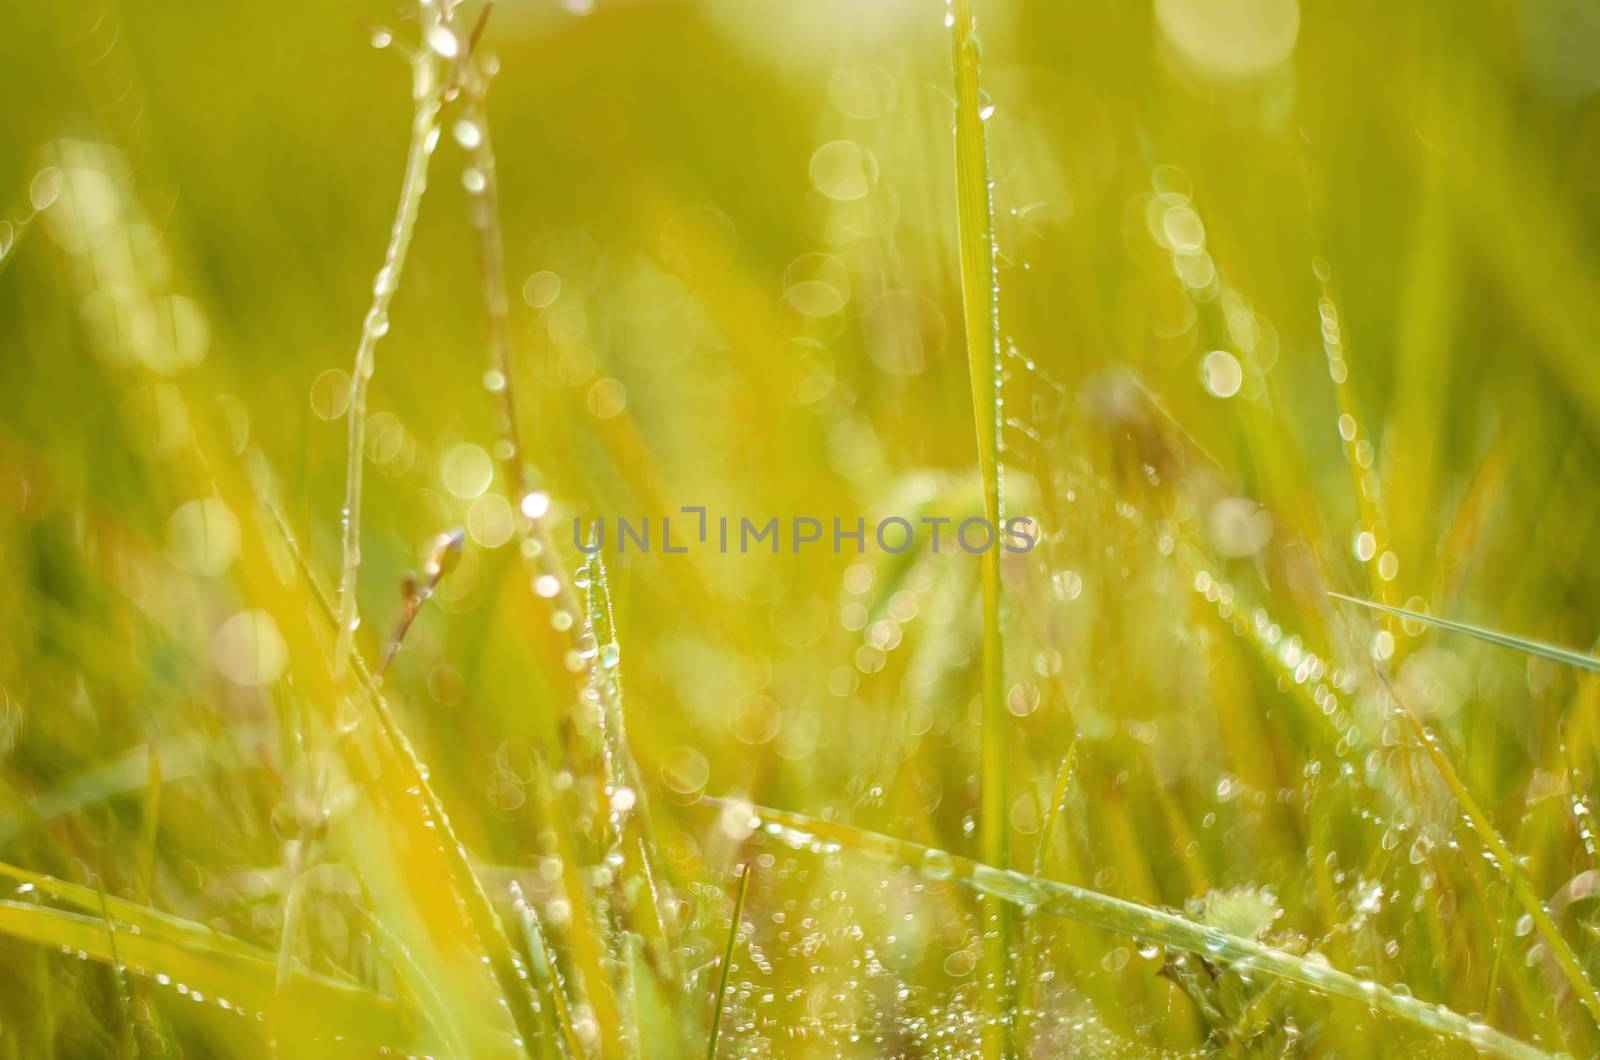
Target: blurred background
1293,298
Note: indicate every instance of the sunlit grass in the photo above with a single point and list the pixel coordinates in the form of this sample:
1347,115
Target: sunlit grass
331,724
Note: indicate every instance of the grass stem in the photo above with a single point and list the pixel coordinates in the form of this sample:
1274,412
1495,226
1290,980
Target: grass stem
727,962
980,308
1142,922
427,100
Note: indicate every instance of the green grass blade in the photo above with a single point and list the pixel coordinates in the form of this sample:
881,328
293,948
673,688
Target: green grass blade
1505,640
427,99
1504,860
409,788
206,964
1142,922
547,971
126,1034
981,310
591,982
1041,858
727,962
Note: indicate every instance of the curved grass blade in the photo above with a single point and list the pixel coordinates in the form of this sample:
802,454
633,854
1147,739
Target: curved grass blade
402,770
1504,860
1504,640
1130,918
434,1008
727,961
205,963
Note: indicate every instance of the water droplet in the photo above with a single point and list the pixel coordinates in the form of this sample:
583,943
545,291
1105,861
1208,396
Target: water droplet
44,188
443,41
535,505
1382,645
467,133
1221,374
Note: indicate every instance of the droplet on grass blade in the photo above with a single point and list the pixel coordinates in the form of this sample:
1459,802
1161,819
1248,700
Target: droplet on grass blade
44,188
330,394
1221,374
443,41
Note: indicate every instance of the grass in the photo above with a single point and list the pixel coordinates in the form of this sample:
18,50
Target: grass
427,95
1275,336
735,925
1139,922
1565,656
980,309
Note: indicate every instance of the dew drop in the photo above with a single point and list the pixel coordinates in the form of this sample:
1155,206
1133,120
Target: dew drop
535,505
1221,374
467,133
443,41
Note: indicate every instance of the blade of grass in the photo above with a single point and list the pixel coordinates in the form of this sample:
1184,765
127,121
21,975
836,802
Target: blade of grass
981,310
546,967
532,524
127,1037
602,676
150,819
1504,860
427,100
1041,857
159,944
727,961
434,1007
621,768
409,787
322,1010
1505,640
588,953
1142,922
1364,481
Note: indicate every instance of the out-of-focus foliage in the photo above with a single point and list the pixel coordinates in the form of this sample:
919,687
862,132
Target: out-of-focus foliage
1293,298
